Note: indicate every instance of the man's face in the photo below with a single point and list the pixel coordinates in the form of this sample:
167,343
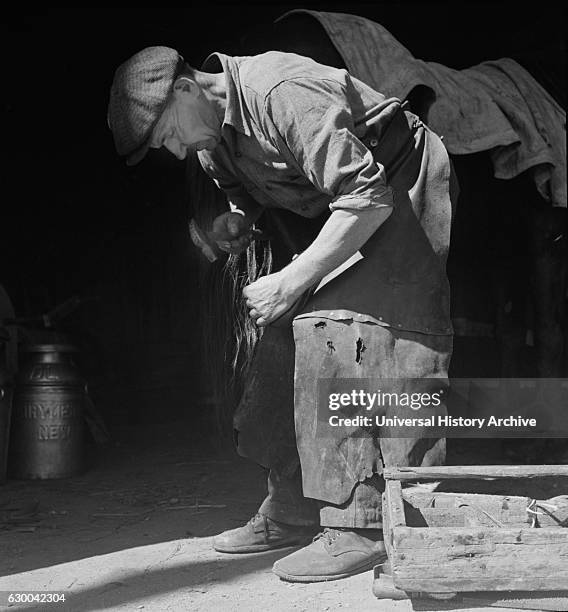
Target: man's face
188,123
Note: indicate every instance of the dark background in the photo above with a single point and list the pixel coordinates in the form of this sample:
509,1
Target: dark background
76,221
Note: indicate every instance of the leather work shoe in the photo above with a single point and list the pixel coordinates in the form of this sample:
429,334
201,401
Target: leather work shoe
262,533
333,554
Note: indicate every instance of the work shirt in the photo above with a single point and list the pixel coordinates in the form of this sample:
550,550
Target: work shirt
291,136
306,137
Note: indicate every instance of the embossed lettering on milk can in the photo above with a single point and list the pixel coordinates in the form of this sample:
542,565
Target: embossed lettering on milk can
47,420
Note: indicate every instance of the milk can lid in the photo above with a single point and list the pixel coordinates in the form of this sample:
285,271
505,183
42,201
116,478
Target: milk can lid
49,348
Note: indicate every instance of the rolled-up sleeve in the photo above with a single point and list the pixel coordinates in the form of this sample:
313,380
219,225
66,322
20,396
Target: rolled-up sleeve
311,123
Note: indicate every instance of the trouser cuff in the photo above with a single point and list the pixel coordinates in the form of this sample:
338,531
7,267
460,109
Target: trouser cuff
285,502
363,510
303,514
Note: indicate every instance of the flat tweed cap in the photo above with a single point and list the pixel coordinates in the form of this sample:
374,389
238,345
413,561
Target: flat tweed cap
138,95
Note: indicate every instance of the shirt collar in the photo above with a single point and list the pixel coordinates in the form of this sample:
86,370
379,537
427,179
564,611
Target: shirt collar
235,112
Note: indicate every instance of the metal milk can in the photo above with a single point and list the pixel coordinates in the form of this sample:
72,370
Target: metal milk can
5,409
46,439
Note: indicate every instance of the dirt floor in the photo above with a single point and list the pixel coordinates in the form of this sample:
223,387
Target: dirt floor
134,532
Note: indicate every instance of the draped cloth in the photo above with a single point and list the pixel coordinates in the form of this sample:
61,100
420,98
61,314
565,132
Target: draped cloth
495,106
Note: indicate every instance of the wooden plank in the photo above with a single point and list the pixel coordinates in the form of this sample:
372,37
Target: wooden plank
482,562
461,510
466,584
467,516
474,471
441,538
387,531
395,508
435,499
440,517
462,517
486,554
476,516
423,577
506,509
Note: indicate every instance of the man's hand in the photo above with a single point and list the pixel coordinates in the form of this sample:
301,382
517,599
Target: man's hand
268,298
231,232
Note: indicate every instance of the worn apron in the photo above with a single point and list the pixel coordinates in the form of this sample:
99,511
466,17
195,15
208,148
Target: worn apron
395,300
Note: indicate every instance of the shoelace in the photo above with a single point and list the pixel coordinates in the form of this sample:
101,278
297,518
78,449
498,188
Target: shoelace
256,517
264,519
329,534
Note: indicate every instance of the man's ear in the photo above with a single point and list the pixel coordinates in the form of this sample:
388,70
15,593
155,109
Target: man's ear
185,88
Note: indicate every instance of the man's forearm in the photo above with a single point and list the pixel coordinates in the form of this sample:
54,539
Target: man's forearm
343,234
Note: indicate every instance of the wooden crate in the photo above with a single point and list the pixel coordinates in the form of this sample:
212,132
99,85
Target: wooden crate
461,542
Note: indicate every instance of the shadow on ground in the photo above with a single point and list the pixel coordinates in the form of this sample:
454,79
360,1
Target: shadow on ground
153,484
186,577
